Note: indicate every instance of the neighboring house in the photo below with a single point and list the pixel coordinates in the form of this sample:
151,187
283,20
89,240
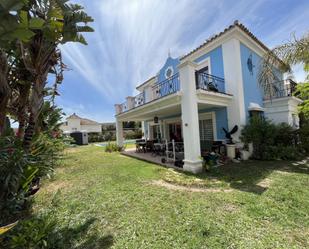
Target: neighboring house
76,123
214,86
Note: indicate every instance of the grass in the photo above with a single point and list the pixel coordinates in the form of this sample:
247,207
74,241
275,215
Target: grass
106,200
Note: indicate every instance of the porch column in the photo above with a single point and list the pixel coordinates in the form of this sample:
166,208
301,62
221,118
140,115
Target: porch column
143,129
190,120
119,132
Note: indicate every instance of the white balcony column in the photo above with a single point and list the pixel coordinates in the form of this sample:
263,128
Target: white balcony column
190,120
119,132
118,109
130,102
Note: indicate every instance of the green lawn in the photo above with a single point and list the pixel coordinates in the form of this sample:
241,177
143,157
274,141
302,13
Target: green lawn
106,200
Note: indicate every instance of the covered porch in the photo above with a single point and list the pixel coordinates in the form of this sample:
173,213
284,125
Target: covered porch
162,123
194,115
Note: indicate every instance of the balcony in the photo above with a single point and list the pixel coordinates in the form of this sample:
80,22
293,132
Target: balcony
208,82
281,89
210,90
159,90
166,87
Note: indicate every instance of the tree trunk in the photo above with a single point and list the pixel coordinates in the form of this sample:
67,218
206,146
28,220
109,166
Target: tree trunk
36,102
29,132
4,90
23,104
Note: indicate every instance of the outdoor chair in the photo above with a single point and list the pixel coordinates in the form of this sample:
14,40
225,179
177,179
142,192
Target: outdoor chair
140,145
149,146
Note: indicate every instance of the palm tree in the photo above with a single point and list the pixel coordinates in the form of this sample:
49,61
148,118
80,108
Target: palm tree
284,56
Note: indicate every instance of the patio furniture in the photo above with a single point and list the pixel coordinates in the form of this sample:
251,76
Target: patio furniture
140,145
158,149
149,146
174,153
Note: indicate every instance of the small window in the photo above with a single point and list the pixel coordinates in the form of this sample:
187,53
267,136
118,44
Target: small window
206,130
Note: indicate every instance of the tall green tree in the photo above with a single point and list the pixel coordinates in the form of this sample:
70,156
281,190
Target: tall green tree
283,57
303,93
40,26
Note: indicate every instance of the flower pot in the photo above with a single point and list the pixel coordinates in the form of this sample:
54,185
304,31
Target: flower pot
245,155
230,150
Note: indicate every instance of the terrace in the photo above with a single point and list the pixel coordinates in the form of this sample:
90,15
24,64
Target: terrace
205,84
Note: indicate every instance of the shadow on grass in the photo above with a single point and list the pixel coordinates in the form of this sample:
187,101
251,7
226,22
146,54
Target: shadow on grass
247,176
71,235
44,231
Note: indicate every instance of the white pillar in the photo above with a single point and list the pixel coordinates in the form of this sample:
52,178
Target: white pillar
130,102
118,108
143,129
236,113
190,120
119,132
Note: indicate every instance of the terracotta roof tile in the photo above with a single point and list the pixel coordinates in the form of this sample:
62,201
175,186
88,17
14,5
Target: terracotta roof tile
235,24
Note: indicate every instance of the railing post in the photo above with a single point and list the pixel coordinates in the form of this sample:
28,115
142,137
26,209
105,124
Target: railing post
130,102
118,108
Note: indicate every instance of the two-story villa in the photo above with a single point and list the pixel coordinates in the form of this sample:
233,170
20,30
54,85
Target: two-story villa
215,86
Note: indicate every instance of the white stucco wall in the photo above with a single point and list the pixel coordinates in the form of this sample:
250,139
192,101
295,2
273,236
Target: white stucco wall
234,84
91,128
74,125
282,110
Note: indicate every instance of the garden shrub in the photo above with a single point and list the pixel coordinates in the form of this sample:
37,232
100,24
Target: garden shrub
113,147
136,134
35,233
19,169
105,136
260,132
303,133
271,141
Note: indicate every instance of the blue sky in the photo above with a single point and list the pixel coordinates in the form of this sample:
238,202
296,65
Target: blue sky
132,39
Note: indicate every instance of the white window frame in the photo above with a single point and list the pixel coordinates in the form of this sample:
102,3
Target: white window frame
210,115
204,63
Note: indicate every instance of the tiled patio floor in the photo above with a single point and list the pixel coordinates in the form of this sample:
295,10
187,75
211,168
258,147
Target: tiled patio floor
148,157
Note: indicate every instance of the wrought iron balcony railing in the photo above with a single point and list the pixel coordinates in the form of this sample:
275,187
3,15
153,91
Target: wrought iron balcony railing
166,87
281,89
139,99
209,82
123,107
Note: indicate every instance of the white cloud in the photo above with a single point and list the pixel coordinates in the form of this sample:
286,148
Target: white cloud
132,38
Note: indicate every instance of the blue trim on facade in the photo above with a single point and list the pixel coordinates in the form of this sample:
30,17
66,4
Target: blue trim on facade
174,85
170,62
252,91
